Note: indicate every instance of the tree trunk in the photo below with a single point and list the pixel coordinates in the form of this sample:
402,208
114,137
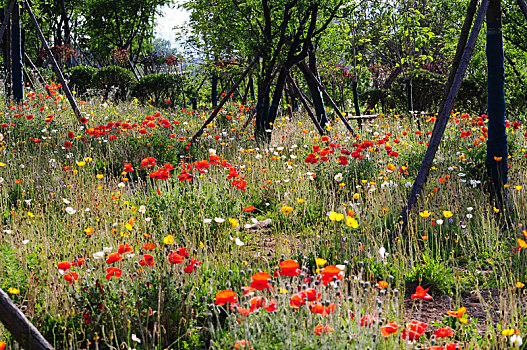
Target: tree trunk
409,97
497,154
214,89
277,97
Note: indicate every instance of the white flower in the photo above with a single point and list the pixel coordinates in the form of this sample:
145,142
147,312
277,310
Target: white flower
25,241
142,209
461,174
439,222
148,219
338,177
254,220
238,242
65,201
1,137
470,208
219,220
98,255
469,216
212,151
70,210
121,185
207,221
107,249
135,338
8,231
408,184
382,252
516,340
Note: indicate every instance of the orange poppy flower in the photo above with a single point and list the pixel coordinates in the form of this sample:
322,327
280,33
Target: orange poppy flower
2,345
175,258
414,330
261,281
225,296
382,284
444,332
148,246
319,308
78,262
389,329
323,329
257,303
249,208
289,268
329,272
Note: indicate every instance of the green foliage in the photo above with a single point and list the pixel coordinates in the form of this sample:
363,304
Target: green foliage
159,87
108,78
432,273
80,78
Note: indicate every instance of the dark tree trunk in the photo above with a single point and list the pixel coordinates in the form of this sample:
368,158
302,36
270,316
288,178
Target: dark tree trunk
251,87
277,97
497,153
16,56
214,89
409,97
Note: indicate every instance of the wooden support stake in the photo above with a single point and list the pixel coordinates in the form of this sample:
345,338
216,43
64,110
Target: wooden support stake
19,326
326,95
302,99
56,68
444,115
218,107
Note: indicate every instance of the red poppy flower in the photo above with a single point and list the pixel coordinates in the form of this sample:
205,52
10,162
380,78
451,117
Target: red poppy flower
261,281
64,266
147,260
114,257
389,329
272,306
78,262
444,332
71,277
113,272
257,303
183,252
319,308
243,344
225,296
175,258
323,329
421,293
289,268
413,330
67,144
84,120
125,248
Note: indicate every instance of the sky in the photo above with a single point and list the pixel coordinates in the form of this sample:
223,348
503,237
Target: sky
172,16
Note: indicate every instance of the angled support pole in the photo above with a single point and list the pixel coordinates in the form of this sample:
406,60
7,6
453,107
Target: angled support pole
218,107
56,68
523,7
326,95
19,326
302,99
446,106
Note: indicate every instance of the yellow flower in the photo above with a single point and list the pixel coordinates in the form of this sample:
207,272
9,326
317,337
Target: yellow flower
100,176
88,159
356,196
81,163
300,200
89,230
2,164
518,188
497,159
13,290
286,209
128,226
508,332
201,244
425,214
496,210
234,222
352,222
168,239
30,214
447,213
520,285
320,261
333,216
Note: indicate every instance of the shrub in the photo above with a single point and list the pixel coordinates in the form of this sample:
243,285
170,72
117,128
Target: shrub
108,78
159,87
80,78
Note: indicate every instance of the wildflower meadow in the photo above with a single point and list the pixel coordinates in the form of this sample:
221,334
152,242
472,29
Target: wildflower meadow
118,233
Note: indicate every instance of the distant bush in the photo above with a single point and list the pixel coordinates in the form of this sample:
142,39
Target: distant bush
159,87
80,78
114,77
